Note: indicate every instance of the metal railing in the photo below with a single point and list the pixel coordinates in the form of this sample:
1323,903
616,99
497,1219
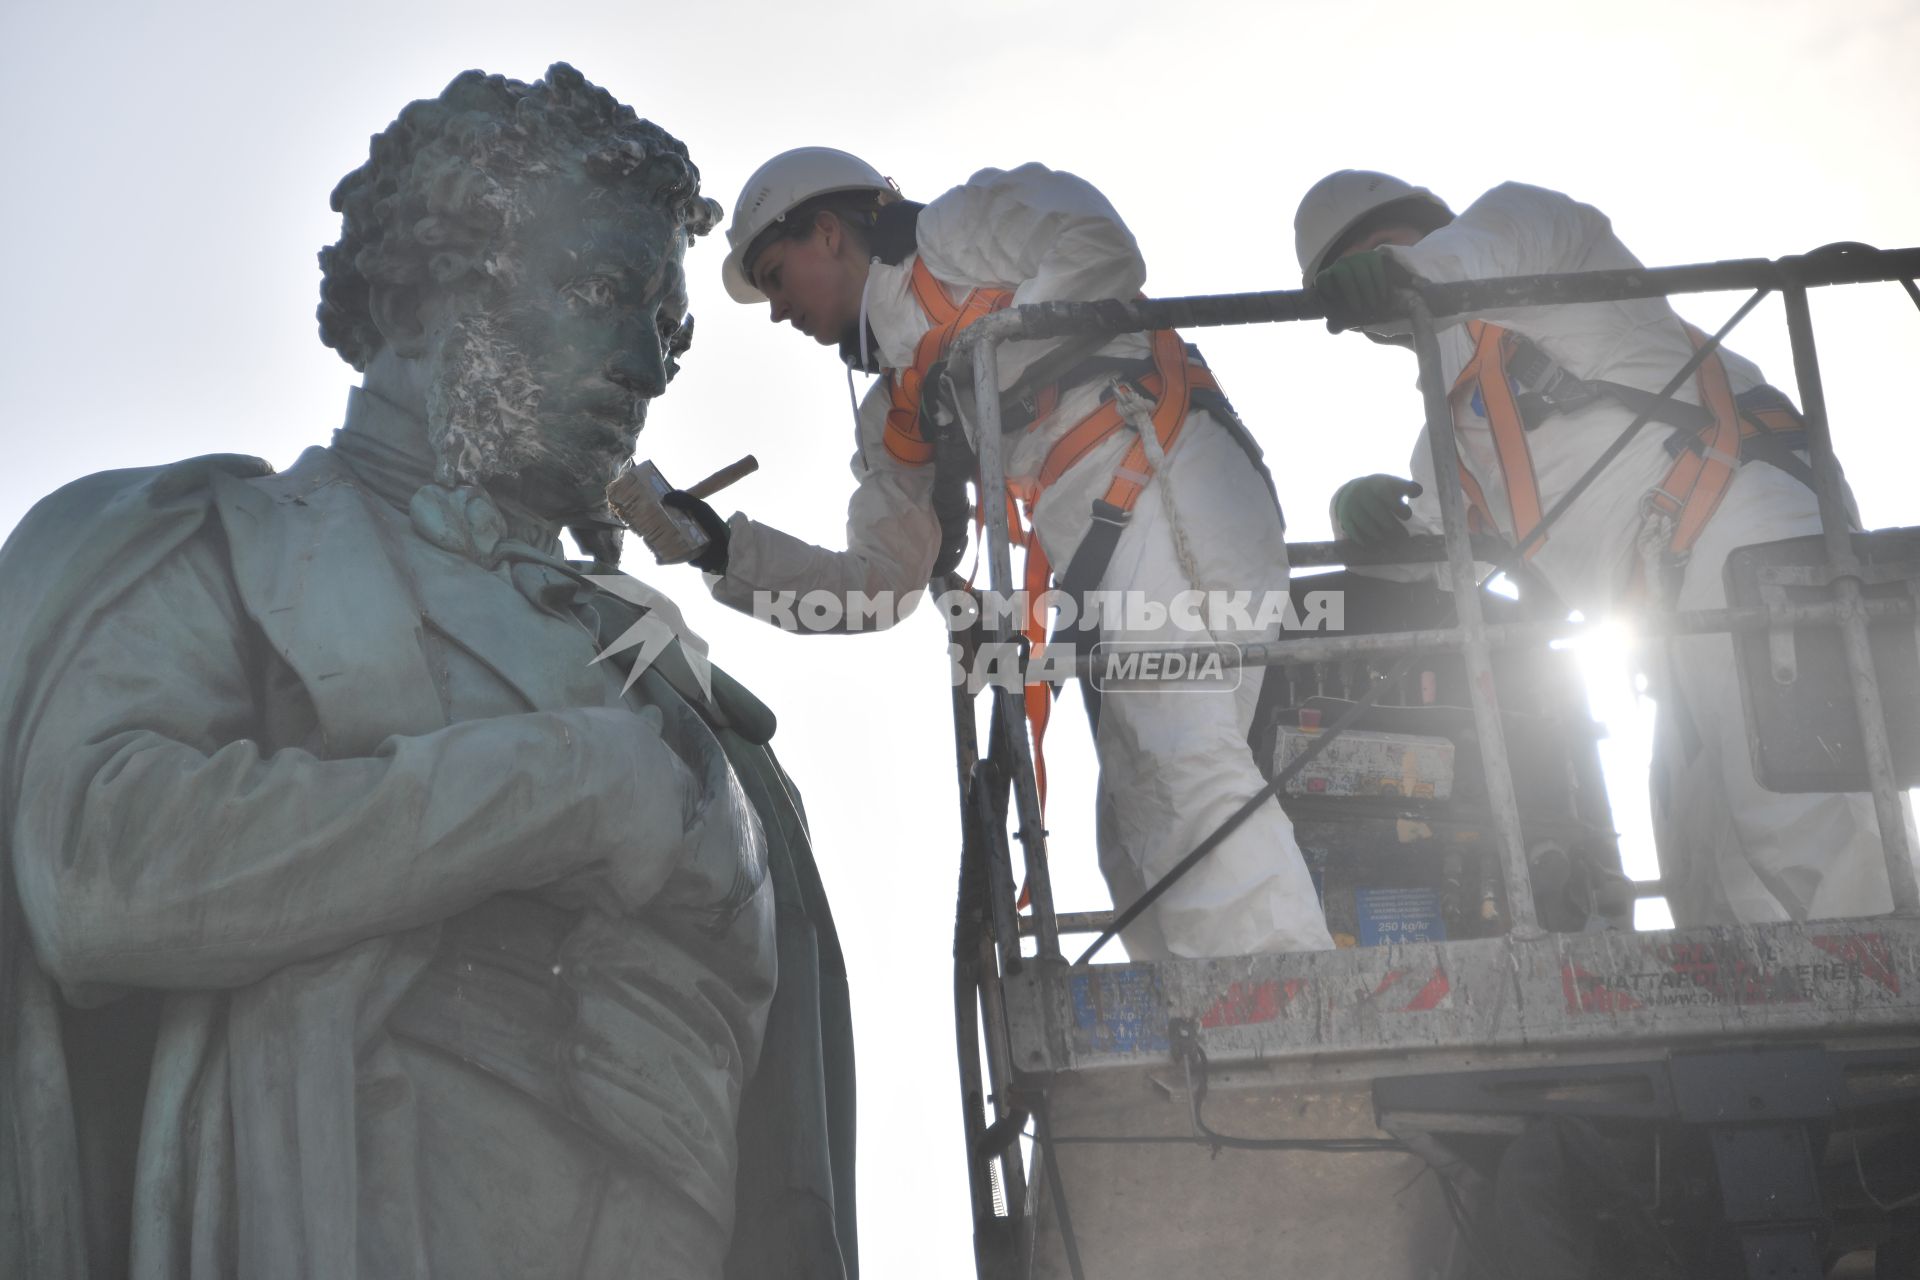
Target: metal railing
989,928
1472,637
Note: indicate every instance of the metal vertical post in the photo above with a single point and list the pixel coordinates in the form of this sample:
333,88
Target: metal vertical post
1010,704
972,958
1837,530
1049,1151
1474,650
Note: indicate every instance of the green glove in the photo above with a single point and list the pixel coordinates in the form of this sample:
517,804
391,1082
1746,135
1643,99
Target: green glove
1372,510
1358,289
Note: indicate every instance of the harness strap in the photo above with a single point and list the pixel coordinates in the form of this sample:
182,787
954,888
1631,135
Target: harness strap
1479,514
1487,372
1038,698
1170,384
1692,490
1710,444
902,435
1547,388
1771,431
1776,439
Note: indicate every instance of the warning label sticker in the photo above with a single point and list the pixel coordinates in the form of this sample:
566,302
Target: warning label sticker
1661,975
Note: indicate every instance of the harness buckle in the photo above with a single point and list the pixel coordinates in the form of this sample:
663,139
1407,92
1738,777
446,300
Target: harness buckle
1651,504
1661,567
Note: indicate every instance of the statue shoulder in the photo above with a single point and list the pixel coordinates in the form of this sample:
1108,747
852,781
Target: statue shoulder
83,546
87,496
193,475
120,502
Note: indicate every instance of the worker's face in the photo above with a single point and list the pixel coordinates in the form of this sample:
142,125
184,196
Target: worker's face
815,283
1392,233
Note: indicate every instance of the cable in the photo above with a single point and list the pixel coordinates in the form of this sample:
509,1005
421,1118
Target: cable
1327,1146
1192,1056
1861,1173
1490,1264
1245,811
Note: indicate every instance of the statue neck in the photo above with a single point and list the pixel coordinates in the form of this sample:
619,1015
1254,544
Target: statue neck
384,441
384,437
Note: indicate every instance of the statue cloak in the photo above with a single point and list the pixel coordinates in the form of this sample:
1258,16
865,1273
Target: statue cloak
95,1085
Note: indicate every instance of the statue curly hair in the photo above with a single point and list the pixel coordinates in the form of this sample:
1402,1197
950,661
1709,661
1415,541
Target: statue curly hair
445,184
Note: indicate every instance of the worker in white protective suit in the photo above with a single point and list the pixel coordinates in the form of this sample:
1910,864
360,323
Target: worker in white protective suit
828,244
1539,393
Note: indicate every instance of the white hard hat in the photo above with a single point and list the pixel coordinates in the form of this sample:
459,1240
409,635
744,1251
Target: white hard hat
775,188
1337,203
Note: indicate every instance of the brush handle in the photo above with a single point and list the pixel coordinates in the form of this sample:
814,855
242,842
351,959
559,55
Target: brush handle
724,477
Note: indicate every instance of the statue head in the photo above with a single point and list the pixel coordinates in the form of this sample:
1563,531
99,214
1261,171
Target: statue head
524,242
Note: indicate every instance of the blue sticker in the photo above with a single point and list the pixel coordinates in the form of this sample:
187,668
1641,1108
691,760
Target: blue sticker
1120,1011
1389,916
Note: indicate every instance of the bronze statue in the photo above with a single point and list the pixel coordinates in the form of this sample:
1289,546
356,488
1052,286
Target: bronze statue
353,919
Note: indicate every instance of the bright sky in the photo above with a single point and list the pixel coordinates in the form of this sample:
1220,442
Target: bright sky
168,175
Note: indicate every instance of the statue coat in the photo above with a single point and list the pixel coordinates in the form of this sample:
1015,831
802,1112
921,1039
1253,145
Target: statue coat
310,960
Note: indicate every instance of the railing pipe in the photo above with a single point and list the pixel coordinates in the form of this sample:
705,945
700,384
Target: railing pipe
1474,651
1837,528
1112,316
1010,704
1829,267
1418,548
1508,635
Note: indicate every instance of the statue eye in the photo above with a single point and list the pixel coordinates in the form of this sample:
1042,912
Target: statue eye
588,293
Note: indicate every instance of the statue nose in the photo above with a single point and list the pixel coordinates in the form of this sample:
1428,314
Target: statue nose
640,369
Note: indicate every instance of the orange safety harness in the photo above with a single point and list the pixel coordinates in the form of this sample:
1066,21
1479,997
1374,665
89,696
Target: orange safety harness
1170,385
1694,485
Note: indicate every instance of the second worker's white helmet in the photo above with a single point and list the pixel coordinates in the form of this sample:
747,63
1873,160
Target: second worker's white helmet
775,189
1337,203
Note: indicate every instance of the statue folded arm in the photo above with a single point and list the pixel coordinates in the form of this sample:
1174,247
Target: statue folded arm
159,843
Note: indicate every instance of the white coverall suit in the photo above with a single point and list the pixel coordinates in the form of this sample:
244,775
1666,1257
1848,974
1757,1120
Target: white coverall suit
1730,851
1173,766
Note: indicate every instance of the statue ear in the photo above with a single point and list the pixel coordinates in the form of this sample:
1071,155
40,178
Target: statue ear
396,311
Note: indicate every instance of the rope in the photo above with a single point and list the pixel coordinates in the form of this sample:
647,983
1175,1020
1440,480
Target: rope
1137,410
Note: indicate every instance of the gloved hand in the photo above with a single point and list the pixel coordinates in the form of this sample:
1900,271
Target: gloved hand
1372,510
714,558
1359,288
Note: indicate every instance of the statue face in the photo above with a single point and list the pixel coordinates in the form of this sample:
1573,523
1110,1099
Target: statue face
540,390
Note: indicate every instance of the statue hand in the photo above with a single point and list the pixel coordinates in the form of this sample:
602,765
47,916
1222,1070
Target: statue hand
705,849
